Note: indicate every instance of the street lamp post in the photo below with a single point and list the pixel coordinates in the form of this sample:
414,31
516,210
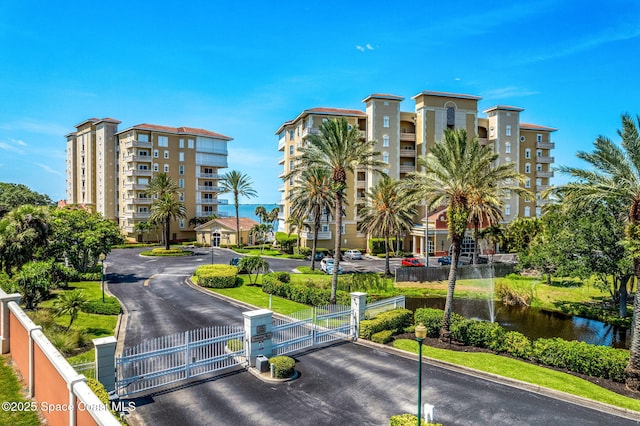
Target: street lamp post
421,334
102,257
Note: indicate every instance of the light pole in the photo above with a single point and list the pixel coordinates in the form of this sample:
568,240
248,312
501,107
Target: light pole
421,334
102,257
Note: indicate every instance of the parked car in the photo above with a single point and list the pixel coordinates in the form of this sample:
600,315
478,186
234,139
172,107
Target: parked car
234,262
319,256
467,259
353,254
411,261
327,265
446,260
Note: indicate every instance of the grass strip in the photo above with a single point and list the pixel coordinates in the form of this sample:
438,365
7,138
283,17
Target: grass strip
523,371
10,392
254,295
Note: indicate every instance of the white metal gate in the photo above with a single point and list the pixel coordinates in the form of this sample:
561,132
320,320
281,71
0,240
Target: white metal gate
179,356
314,326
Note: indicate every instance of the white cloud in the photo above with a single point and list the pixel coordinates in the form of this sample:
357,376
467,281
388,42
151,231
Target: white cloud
368,46
508,92
364,48
50,169
360,48
36,126
11,146
18,142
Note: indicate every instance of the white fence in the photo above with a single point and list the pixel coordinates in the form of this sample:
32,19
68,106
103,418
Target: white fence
375,308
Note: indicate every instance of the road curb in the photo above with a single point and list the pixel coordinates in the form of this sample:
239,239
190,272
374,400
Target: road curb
540,390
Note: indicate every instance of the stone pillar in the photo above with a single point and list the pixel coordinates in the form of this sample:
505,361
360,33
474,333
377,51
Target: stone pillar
358,306
4,319
257,332
106,361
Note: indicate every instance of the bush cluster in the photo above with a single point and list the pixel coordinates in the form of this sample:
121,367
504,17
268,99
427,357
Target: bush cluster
409,420
110,306
382,337
579,357
307,294
433,319
217,276
284,366
395,320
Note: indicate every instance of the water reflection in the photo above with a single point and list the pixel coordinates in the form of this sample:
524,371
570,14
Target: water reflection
534,323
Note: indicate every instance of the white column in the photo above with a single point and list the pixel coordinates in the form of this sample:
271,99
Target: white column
106,361
358,306
257,332
4,319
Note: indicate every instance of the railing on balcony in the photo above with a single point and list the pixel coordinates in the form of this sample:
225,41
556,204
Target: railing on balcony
209,188
138,144
541,188
201,175
137,215
405,136
142,158
544,174
281,144
309,131
404,152
138,200
133,186
211,201
545,160
407,169
281,160
321,235
137,172
545,145
361,184
281,188
201,213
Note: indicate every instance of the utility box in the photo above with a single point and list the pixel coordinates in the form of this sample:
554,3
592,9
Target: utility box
262,363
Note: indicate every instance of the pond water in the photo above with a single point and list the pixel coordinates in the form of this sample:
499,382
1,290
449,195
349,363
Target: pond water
534,323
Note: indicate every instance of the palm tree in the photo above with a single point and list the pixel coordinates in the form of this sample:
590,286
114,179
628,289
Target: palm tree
160,185
387,213
164,210
453,172
261,212
70,302
337,148
613,177
310,198
24,231
297,223
239,185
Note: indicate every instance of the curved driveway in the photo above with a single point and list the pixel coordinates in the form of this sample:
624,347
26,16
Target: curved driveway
342,384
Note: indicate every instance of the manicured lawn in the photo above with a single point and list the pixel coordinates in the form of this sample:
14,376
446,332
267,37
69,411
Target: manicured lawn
523,371
255,296
10,392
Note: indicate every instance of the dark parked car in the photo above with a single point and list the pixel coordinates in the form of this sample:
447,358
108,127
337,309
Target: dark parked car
234,262
411,261
446,260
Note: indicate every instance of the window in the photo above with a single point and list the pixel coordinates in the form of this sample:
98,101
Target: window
325,228
181,223
207,209
155,167
507,159
291,181
527,168
143,138
527,153
290,165
385,140
538,167
385,157
166,154
181,183
539,137
208,196
181,144
538,181
538,212
181,196
191,143
507,209
143,153
507,131
342,228
538,197
539,153
507,193
451,117
385,121
386,103
181,155
143,167
180,169
507,147
527,211
527,183
156,154
163,141
522,139
385,171
324,120
291,149
166,168
143,210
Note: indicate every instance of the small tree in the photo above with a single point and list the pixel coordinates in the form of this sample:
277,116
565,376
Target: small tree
253,265
70,302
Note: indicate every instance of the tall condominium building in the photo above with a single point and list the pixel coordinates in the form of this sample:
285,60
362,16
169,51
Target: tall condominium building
109,170
403,136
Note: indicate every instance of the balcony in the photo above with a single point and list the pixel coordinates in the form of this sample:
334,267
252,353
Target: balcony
540,174
410,153
141,158
542,188
281,161
138,200
201,175
321,235
137,144
483,141
281,188
137,172
211,201
544,160
411,137
407,169
361,184
134,186
281,144
309,131
209,188
137,215
545,145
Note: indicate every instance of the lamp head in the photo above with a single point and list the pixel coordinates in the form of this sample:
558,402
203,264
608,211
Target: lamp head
421,331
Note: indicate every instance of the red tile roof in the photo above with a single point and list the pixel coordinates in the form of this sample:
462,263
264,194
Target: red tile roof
178,130
229,223
527,126
323,111
447,95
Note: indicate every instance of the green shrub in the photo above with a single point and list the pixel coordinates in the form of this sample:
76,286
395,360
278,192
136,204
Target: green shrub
384,336
110,306
482,334
517,344
87,276
217,276
306,294
282,276
433,319
164,252
395,320
235,345
284,366
101,393
520,294
581,357
409,420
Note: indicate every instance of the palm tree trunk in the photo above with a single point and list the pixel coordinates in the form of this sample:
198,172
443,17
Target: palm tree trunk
336,259
632,371
314,246
167,231
476,232
236,203
622,301
448,306
387,269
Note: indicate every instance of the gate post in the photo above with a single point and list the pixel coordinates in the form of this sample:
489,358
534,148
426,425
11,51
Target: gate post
358,306
106,361
257,334
4,319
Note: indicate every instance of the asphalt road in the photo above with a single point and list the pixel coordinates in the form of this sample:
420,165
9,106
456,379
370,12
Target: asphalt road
342,384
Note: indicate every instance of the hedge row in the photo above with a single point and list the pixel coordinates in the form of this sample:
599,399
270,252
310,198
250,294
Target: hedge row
277,283
217,276
283,366
395,320
579,357
110,306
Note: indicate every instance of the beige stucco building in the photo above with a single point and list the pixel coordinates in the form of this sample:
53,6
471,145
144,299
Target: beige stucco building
108,170
402,136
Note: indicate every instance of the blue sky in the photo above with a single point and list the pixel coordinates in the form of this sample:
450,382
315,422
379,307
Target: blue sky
242,69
